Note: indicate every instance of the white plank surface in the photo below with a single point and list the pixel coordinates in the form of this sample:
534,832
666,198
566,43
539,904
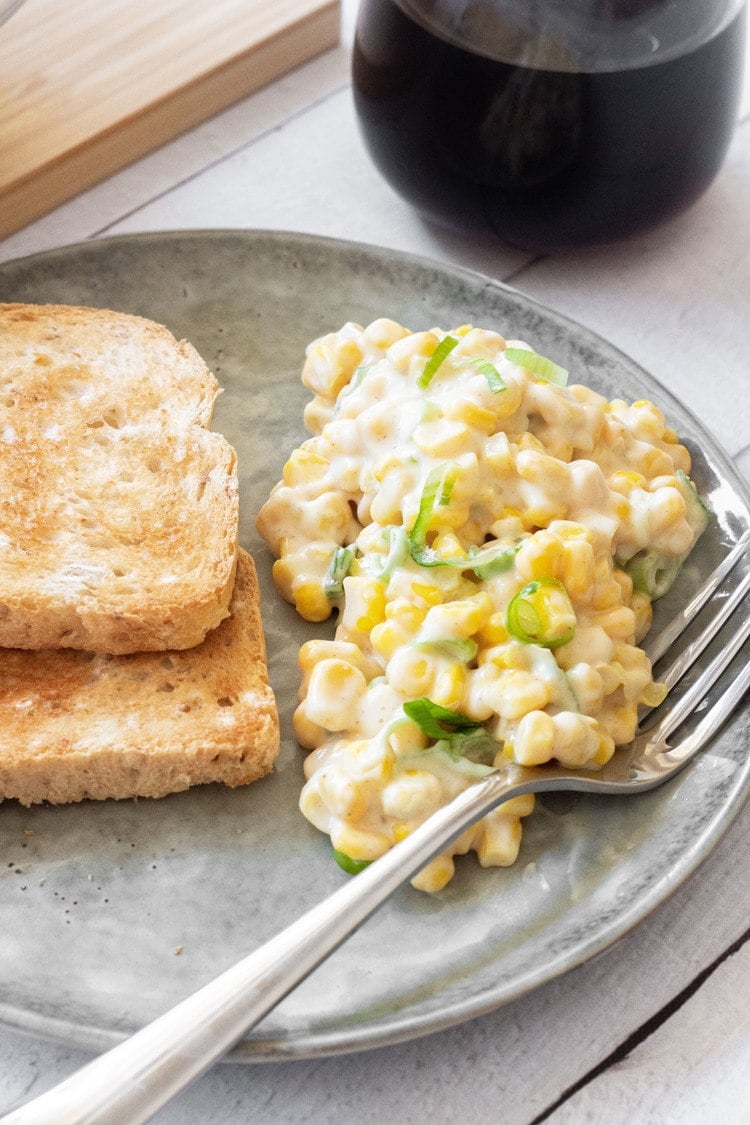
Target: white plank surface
291,157
705,1049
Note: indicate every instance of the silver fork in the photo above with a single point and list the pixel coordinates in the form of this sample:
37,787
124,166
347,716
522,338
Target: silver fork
135,1079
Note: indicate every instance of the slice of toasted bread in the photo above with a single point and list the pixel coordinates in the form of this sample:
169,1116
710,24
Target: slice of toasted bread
118,508
77,725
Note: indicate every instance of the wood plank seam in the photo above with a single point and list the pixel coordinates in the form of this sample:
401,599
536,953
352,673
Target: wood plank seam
218,161
641,1034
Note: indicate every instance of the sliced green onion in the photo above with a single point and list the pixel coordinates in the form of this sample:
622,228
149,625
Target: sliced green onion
494,379
486,562
458,648
492,561
475,746
539,364
431,412
473,771
652,572
436,721
398,552
338,568
351,866
436,493
541,614
546,668
442,351
697,513
352,385
471,754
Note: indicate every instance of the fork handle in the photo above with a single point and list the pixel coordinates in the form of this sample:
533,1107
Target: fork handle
135,1079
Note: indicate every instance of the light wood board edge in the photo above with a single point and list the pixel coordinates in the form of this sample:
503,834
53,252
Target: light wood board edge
87,164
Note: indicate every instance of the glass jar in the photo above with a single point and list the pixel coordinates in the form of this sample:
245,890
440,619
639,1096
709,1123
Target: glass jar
551,123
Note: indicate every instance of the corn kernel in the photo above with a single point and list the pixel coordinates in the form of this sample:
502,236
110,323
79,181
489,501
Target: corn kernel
471,414
542,514
497,454
448,546
641,606
611,676
344,797
329,365
303,466
577,739
458,618
435,875
493,631
534,739
387,636
620,722
405,737
521,692
410,673
588,687
308,734
653,695
364,605
314,651
433,595
313,806
284,574
668,506
618,623
499,840
334,693
412,796
624,480
316,415
567,530
655,462
370,759
577,572
528,441
449,686
508,402
518,806
406,613
539,557
384,332
605,750
416,344
310,599
358,844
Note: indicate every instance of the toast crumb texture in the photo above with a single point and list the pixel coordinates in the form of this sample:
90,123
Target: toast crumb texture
118,507
77,725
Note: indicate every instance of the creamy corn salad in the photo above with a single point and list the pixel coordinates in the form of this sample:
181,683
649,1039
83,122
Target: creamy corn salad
491,540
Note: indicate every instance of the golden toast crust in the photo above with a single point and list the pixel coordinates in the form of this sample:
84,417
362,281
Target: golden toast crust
118,508
77,725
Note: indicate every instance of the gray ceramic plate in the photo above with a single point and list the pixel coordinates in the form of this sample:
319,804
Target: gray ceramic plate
95,898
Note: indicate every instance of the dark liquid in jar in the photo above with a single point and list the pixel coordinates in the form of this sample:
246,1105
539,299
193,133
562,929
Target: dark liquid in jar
544,158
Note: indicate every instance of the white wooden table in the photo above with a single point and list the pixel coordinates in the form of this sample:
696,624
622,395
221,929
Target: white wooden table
657,1029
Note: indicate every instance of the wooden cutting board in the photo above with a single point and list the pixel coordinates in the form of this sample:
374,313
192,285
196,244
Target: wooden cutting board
86,86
